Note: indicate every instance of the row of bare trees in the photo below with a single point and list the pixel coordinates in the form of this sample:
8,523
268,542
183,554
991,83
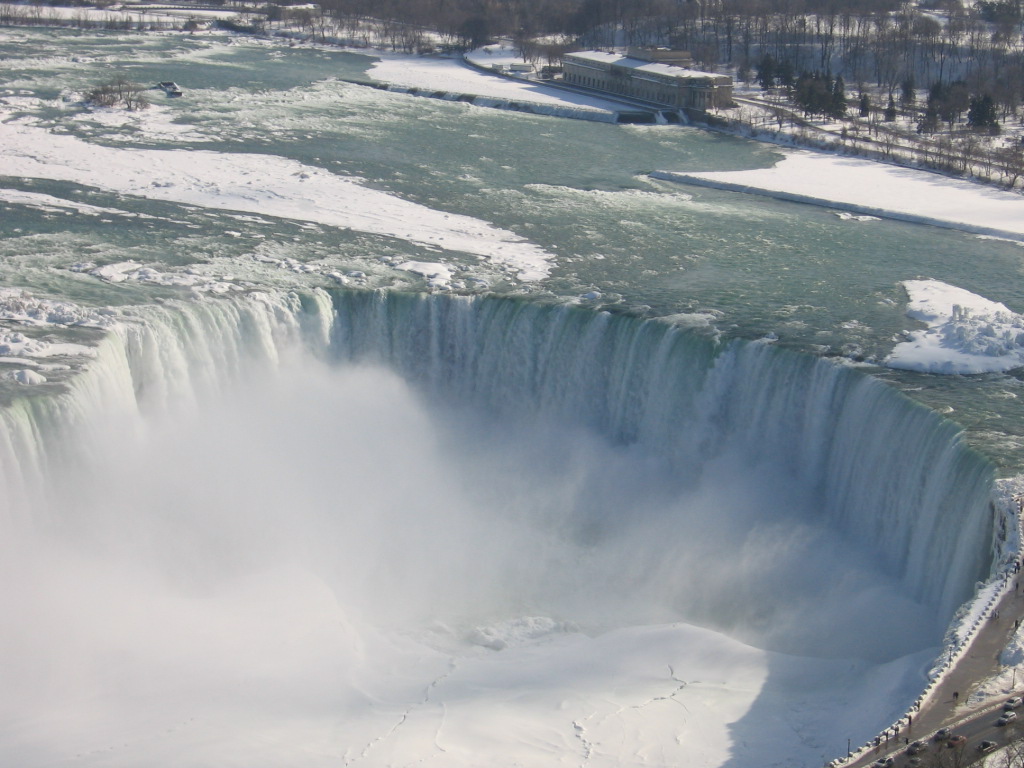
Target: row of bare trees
12,14
882,42
968,59
118,92
965,58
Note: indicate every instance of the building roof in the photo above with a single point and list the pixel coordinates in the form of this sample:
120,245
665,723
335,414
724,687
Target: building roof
652,67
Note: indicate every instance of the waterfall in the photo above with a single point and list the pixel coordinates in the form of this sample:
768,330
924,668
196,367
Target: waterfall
884,472
882,469
158,358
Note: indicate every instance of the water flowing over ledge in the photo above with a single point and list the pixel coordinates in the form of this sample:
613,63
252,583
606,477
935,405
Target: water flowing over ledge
865,468
879,468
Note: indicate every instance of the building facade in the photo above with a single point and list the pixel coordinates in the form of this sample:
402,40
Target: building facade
647,75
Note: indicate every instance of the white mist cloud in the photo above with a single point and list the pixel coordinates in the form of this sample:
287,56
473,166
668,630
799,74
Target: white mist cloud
319,544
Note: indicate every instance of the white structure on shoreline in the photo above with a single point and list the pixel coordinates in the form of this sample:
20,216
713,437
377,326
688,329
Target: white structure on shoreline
651,75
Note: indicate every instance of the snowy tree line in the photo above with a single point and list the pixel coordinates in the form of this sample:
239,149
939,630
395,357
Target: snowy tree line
933,83
954,73
882,42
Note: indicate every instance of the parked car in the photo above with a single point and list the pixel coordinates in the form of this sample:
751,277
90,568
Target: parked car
986,746
884,762
917,746
943,734
1013,703
1007,718
956,740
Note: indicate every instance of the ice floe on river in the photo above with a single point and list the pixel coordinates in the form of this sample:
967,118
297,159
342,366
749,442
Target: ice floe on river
264,184
870,188
966,333
448,75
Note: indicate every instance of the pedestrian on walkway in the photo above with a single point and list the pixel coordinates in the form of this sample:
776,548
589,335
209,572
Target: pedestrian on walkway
956,695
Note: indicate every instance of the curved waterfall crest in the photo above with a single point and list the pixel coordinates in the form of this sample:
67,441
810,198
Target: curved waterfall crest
885,471
156,359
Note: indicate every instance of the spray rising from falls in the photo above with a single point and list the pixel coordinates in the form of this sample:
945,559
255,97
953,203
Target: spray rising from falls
813,446
275,484
885,472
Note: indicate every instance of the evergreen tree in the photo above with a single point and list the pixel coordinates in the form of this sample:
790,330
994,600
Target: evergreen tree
817,94
802,92
890,110
808,93
982,113
785,73
930,122
907,93
949,101
837,104
766,72
957,102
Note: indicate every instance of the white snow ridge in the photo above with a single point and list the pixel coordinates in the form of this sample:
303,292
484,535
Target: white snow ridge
966,333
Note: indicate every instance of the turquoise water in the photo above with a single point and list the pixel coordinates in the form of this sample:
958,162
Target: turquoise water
750,267
766,491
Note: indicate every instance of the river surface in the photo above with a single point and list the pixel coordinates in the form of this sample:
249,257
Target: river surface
549,483
751,267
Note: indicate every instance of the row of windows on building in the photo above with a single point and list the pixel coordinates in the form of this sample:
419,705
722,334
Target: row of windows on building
695,91
625,88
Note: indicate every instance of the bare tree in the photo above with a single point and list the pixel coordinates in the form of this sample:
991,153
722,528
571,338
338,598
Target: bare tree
1010,161
1012,756
118,93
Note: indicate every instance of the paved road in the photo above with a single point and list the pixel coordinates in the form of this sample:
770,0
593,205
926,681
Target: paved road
980,727
942,710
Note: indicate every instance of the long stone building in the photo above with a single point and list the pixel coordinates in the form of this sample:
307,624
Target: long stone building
651,75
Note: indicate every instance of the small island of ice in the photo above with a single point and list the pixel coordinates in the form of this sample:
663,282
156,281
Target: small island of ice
966,333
